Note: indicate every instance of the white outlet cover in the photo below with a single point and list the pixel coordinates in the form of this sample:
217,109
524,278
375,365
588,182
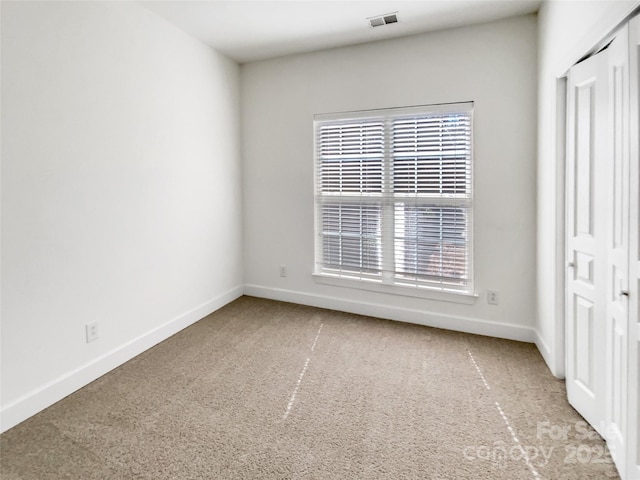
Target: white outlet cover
493,298
91,331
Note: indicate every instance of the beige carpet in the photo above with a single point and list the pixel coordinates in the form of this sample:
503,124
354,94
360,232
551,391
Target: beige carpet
271,390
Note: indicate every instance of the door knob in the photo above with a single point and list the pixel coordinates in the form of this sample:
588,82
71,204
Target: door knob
624,293
571,264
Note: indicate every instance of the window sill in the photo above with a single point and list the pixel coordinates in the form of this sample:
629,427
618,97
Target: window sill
431,294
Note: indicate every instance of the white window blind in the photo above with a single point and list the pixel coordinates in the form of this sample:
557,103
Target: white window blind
394,196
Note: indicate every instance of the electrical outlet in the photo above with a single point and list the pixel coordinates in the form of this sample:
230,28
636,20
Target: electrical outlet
92,331
492,297
283,270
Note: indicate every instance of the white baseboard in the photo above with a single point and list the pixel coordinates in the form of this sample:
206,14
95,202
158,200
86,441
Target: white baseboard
449,322
544,350
50,393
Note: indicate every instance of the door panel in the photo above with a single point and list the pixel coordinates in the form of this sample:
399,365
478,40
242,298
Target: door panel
633,408
583,328
616,176
583,201
586,229
584,268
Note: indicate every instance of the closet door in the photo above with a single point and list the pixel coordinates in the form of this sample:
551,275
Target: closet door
587,96
633,439
616,185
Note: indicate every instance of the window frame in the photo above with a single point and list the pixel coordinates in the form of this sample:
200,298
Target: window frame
388,280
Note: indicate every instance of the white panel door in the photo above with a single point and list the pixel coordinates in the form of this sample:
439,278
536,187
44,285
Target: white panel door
616,185
586,230
633,438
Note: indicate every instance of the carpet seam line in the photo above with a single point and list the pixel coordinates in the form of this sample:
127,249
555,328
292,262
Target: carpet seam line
292,399
514,437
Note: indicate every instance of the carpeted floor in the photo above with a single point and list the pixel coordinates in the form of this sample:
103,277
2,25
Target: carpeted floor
270,390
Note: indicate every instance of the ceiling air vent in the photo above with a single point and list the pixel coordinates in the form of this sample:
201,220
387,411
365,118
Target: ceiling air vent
385,19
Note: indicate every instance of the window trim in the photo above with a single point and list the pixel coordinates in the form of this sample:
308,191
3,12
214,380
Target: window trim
464,298
415,288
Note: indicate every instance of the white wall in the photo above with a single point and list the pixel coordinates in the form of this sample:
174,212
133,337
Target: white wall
120,191
492,64
567,30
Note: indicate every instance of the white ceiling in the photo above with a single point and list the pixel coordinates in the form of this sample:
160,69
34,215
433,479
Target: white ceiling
254,30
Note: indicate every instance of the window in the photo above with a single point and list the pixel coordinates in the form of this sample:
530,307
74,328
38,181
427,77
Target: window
394,198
